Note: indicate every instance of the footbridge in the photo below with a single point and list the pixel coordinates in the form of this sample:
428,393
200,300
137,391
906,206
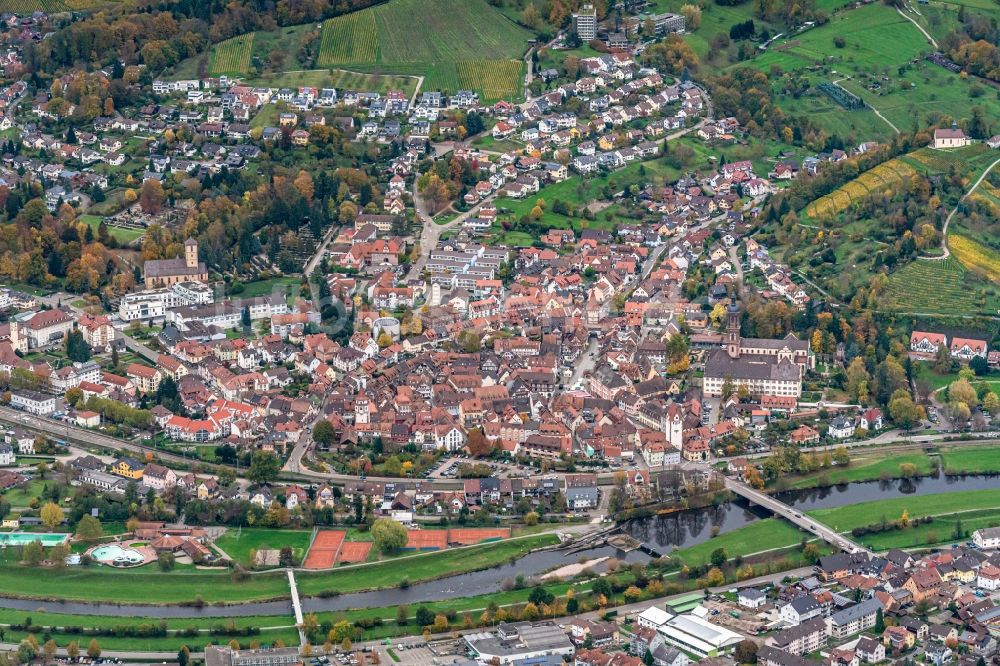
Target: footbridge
796,517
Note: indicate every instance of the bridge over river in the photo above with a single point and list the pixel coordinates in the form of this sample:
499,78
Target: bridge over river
779,508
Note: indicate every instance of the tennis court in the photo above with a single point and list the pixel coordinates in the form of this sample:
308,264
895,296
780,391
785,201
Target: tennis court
324,549
426,539
354,551
472,535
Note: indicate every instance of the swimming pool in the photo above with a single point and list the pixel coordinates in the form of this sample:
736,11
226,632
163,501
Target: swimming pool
22,538
117,555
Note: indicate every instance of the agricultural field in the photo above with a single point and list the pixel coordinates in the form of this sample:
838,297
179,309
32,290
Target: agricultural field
337,78
970,160
232,56
876,36
977,257
942,287
496,79
882,178
453,43
881,62
348,39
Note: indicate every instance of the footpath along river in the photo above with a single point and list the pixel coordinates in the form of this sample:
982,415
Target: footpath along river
664,533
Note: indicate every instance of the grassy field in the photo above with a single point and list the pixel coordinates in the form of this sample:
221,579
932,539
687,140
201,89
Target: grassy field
266,287
445,41
336,78
756,537
865,467
21,496
148,585
876,37
971,460
858,515
237,543
940,531
881,62
232,56
280,627
122,235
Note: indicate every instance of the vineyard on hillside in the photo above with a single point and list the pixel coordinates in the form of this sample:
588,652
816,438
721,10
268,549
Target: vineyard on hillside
495,79
932,287
348,39
880,179
975,256
232,56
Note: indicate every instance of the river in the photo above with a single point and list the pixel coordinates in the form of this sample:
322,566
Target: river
688,528
664,533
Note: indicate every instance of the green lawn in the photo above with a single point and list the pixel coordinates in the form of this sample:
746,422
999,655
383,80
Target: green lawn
118,233
341,79
148,585
22,495
756,537
278,627
940,531
266,287
971,460
848,517
865,467
238,542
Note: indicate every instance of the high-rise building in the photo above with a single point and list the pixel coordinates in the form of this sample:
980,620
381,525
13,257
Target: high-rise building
585,23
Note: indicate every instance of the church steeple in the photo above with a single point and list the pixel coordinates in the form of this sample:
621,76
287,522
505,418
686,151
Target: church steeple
733,329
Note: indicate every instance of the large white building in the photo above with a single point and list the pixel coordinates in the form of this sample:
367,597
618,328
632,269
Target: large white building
585,23
695,634
520,640
154,303
40,404
763,366
227,314
987,538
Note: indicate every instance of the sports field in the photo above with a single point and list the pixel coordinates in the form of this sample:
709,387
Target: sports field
455,44
472,535
354,551
324,549
426,539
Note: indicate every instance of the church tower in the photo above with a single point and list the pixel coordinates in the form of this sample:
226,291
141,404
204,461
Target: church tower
733,330
191,253
675,427
361,410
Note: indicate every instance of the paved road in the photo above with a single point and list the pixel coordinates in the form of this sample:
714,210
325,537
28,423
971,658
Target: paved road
945,252
933,42
779,508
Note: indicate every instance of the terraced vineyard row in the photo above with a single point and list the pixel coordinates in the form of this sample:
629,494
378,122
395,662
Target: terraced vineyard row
349,39
936,287
880,178
495,79
232,56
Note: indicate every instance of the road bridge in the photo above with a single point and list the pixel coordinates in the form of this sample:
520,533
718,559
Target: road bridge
794,516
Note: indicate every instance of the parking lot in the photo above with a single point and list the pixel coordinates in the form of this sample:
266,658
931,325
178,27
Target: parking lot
447,468
414,652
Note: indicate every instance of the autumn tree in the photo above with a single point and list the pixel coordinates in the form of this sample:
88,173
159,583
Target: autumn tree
478,444
51,515
151,196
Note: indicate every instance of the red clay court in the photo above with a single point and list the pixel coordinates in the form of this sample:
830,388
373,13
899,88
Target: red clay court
354,551
426,539
472,535
324,549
